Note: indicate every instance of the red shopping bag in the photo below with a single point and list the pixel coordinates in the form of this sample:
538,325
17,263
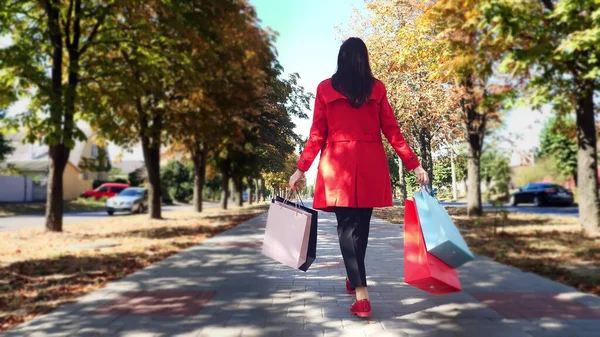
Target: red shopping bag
421,269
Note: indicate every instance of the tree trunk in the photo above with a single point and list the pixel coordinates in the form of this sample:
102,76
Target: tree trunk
54,203
474,207
263,190
402,182
58,154
152,161
426,158
587,161
475,124
430,158
232,188
453,169
251,191
239,190
251,196
225,188
256,184
199,159
150,136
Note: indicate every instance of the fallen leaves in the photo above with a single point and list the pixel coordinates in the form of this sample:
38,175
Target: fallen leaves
36,277
546,245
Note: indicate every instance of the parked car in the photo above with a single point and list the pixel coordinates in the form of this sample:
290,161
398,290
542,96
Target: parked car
130,200
541,194
105,190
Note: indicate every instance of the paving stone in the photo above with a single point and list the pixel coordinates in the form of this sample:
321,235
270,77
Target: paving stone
585,324
333,333
220,331
137,334
588,334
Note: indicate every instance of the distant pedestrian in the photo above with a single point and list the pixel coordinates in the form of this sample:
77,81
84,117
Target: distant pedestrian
351,111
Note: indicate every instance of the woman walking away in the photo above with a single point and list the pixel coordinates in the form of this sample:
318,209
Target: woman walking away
351,111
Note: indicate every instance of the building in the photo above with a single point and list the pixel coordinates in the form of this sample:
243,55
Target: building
123,168
87,162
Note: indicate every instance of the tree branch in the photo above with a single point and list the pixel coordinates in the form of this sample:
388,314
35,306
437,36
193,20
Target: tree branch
26,14
94,32
548,4
76,27
68,25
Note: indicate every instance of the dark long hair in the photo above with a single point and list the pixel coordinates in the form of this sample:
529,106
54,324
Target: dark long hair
353,77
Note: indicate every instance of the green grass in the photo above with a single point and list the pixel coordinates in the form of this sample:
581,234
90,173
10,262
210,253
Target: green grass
78,205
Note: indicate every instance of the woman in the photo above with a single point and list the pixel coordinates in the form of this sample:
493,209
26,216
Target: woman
351,111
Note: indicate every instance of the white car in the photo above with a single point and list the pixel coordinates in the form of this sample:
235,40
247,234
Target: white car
130,200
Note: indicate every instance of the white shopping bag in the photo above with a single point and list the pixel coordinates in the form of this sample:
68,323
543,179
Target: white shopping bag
287,234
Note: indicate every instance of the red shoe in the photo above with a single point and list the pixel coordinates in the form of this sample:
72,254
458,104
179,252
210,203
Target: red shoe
361,308
349,289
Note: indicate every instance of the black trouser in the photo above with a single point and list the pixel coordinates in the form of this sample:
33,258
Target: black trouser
353,232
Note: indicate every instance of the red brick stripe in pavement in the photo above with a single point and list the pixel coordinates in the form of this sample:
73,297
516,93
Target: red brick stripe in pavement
159,303
241,244
535,305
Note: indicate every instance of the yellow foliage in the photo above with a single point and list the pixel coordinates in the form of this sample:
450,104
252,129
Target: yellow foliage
403,53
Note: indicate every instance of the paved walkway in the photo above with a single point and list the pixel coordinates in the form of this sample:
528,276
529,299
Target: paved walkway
224,287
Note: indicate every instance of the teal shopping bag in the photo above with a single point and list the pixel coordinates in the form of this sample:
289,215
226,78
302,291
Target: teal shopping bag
442,239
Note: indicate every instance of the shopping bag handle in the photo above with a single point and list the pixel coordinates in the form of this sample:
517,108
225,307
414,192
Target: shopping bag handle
288,200
299,199
427,188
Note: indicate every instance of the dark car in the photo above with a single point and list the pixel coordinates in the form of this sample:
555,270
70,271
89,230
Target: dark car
541,194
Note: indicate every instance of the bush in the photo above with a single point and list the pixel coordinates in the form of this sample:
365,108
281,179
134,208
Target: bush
91,201
97,183
136,178
178,180
444,194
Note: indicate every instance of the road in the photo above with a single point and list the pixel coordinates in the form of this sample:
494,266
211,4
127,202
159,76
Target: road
13,223
572,211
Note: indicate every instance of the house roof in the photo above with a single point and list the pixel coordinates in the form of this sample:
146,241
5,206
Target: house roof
128,166
28,165
31,157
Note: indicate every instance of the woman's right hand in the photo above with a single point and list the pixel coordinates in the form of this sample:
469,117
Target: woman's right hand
422,176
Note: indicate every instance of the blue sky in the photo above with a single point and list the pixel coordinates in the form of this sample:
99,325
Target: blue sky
308,41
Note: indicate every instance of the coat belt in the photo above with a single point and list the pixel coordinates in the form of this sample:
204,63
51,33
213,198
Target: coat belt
365,137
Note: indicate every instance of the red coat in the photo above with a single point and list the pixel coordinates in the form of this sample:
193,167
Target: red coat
353,171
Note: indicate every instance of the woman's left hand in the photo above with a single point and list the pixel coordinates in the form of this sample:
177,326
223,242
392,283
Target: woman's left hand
295,178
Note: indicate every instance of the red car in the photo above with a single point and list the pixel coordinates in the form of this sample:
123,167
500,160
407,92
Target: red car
105,190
